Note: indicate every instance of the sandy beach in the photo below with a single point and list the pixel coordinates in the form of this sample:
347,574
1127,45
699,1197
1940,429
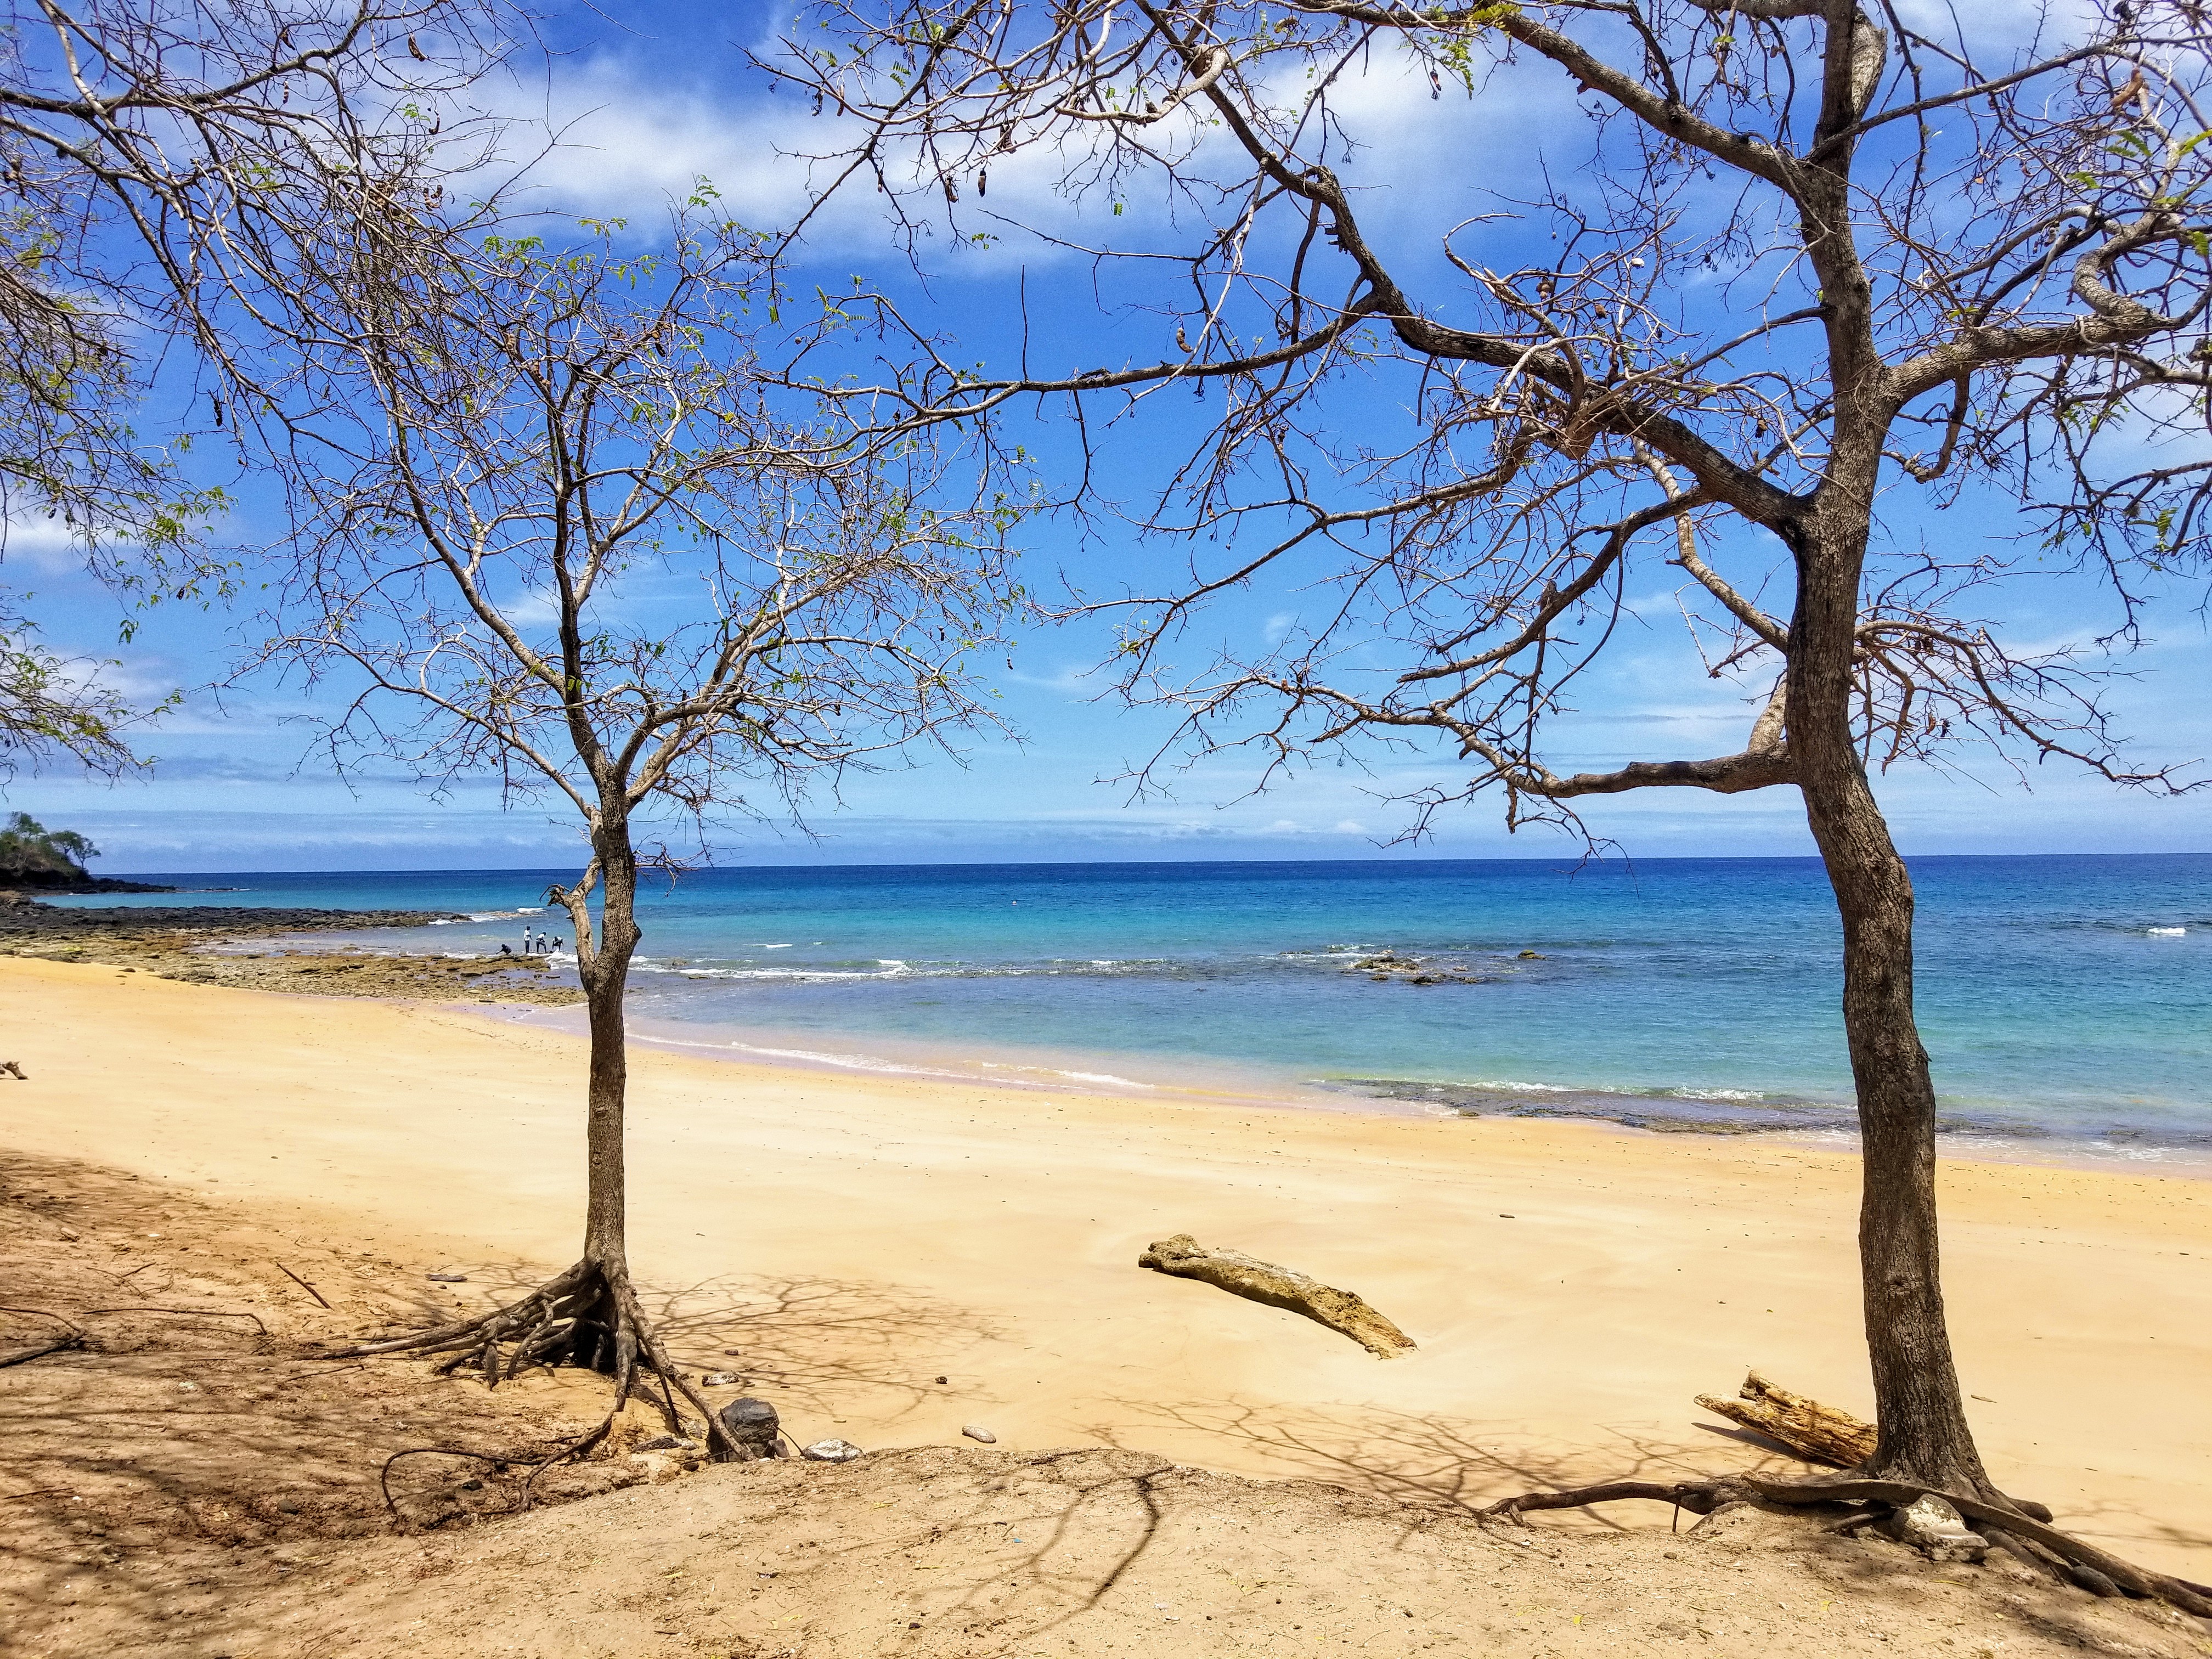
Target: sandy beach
1570,1287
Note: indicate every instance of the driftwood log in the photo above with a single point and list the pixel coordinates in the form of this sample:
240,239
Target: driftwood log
1817,1433
1239,1274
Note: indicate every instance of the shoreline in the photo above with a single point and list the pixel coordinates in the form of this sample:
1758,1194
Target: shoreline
858,1236
190,944
1624,1111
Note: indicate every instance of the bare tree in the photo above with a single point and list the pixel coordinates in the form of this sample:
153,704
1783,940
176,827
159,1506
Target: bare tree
1761,274
160,166
573,542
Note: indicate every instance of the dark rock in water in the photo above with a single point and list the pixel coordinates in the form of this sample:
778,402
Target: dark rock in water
752,1425
38,882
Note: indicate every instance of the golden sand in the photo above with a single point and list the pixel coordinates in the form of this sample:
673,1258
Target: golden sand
1570,1287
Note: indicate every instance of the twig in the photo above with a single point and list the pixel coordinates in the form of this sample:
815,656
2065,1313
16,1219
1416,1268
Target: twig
44,1313
36,1492
301,1282
196,1313
19,1356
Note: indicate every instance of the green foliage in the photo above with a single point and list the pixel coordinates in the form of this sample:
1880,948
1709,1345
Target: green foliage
29,848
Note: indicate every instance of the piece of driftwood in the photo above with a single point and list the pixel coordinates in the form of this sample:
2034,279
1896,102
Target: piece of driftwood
1239,1274
1817,1433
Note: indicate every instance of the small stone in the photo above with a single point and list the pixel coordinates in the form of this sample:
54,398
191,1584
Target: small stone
663,1443
943,1379
442,1278
719,1379
188,1388
1936,1530
829,1452
752,1425
977,1432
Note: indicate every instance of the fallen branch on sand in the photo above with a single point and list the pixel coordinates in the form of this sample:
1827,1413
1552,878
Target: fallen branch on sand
1239,1274
72,1338
1817,1433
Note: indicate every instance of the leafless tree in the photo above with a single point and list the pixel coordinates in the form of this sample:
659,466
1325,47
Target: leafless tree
160,164
1764,279
573,540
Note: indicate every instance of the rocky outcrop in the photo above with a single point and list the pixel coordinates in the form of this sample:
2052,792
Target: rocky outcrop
17,885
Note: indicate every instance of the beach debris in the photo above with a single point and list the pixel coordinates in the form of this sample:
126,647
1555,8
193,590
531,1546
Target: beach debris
1817,1433
13,1070
1184,1257
977,1432
447,1278
752,1427
719,1379
829,1452
667,1443
943,1379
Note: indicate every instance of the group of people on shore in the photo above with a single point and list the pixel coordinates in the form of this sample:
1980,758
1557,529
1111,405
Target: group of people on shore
536,942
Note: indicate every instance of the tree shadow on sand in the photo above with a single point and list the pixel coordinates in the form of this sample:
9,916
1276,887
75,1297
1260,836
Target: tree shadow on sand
817,1343
1424,1457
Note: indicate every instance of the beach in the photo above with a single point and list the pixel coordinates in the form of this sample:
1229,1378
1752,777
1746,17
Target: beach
1570,1287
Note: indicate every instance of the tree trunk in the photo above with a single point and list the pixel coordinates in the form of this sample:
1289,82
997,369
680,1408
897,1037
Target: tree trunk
605,971
1919,1411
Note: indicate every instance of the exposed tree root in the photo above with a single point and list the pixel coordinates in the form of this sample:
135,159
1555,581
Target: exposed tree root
587,1316
2125,1576
2023,1530
576,1447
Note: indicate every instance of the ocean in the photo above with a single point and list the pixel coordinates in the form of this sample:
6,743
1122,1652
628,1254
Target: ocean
2066,1002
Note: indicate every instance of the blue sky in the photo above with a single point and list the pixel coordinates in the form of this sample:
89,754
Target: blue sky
664,97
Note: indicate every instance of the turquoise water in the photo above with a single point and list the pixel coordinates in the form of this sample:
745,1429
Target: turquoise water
2057,997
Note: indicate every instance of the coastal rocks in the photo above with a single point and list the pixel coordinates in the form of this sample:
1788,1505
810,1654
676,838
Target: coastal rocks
977,1432
1184,1257
829,1452
174,943
1387,965
753,1427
